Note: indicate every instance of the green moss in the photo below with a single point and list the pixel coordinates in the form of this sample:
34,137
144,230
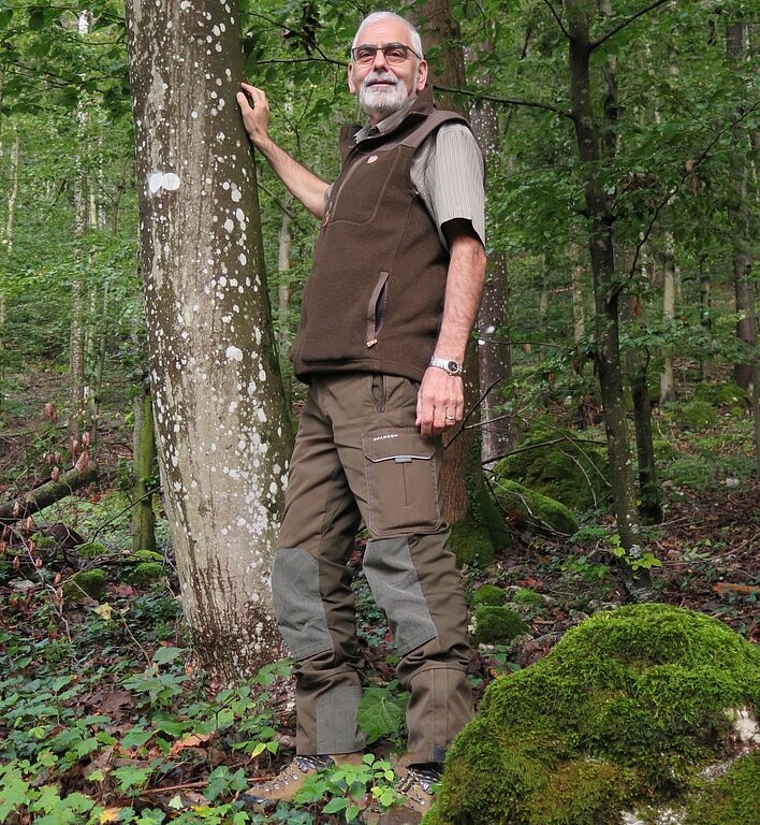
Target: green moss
696,414
727,396
92,583
553,462
486,514
583,793
734,799
530,508
145,574
525,597
497,625
625,710
92,549
471,544
489,594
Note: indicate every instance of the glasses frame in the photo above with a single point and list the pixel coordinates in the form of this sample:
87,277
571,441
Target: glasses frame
406,49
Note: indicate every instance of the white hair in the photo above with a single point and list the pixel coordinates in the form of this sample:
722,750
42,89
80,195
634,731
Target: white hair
379,16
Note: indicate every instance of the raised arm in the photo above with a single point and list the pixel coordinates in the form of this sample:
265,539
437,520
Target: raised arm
303,184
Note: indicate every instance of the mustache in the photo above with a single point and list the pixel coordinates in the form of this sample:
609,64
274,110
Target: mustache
380,77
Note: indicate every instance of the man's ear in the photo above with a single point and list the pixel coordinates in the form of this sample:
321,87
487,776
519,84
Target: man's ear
352,87
422,73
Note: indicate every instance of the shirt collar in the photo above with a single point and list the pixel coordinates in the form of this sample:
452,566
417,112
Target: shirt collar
386,125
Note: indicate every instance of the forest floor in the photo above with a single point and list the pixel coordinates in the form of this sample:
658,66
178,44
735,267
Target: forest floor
102,700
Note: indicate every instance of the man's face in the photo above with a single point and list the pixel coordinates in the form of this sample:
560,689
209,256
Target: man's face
382,86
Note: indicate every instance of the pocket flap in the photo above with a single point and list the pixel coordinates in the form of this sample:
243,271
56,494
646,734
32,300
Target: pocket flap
392,445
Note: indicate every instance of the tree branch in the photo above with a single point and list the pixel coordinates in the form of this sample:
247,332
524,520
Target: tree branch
620,26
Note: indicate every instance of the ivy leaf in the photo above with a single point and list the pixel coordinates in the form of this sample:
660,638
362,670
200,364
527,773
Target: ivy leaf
380,713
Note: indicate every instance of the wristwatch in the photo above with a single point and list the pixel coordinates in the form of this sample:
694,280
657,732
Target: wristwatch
451,366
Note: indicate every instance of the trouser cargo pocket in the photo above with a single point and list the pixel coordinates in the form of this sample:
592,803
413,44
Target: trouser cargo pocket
402,482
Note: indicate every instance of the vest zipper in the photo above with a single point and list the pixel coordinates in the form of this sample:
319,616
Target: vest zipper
376,310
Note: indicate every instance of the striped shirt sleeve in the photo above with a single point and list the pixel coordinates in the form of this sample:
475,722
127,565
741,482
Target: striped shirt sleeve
447,171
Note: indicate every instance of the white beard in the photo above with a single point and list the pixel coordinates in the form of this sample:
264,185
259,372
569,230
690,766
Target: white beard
379,101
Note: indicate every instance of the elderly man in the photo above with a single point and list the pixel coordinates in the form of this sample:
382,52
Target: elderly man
387,312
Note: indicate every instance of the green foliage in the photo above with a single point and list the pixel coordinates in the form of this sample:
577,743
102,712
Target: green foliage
696,414
727,396
382,712
625,709
350,789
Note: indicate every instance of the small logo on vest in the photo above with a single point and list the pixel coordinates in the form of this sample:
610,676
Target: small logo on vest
372,159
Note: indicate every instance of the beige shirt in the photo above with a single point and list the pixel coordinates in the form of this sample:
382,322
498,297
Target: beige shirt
447,172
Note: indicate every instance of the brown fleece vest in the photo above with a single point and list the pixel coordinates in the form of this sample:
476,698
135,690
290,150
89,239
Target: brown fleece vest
374,299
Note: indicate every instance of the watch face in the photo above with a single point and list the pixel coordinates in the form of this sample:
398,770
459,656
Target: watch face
453,367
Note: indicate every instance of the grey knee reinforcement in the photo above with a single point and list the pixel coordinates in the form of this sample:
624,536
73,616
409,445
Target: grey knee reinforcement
298,603
393,579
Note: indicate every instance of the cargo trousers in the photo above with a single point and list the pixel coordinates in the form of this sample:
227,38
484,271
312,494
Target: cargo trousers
359,458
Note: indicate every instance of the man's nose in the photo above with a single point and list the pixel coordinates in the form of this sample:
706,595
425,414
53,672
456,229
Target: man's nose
379,56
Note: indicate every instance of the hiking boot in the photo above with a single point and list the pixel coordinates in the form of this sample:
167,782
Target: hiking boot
290,779
416,787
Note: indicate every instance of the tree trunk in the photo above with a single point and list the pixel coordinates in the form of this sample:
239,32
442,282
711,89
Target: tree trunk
606,291
143,472
705,316
77,338
9,229
440,29
742,260
495,363
667,381
494,345
223,432
650,492
579,312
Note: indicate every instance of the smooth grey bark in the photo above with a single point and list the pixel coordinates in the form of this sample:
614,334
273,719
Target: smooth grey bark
224,435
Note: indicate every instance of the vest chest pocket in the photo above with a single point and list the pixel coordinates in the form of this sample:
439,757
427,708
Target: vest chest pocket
402,483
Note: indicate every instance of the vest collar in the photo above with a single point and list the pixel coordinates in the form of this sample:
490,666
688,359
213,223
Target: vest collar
422,106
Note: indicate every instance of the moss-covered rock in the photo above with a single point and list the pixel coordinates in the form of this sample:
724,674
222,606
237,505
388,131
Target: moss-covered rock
471,544
525,597
554,462
529,508
727,396
733,799
625,710
497,625
695,415
90,583
143,567
145,574
489,594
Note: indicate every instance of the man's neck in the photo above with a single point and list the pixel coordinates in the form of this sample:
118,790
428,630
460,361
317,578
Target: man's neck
388,123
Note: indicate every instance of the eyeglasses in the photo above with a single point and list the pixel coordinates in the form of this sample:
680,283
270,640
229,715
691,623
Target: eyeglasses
393,53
